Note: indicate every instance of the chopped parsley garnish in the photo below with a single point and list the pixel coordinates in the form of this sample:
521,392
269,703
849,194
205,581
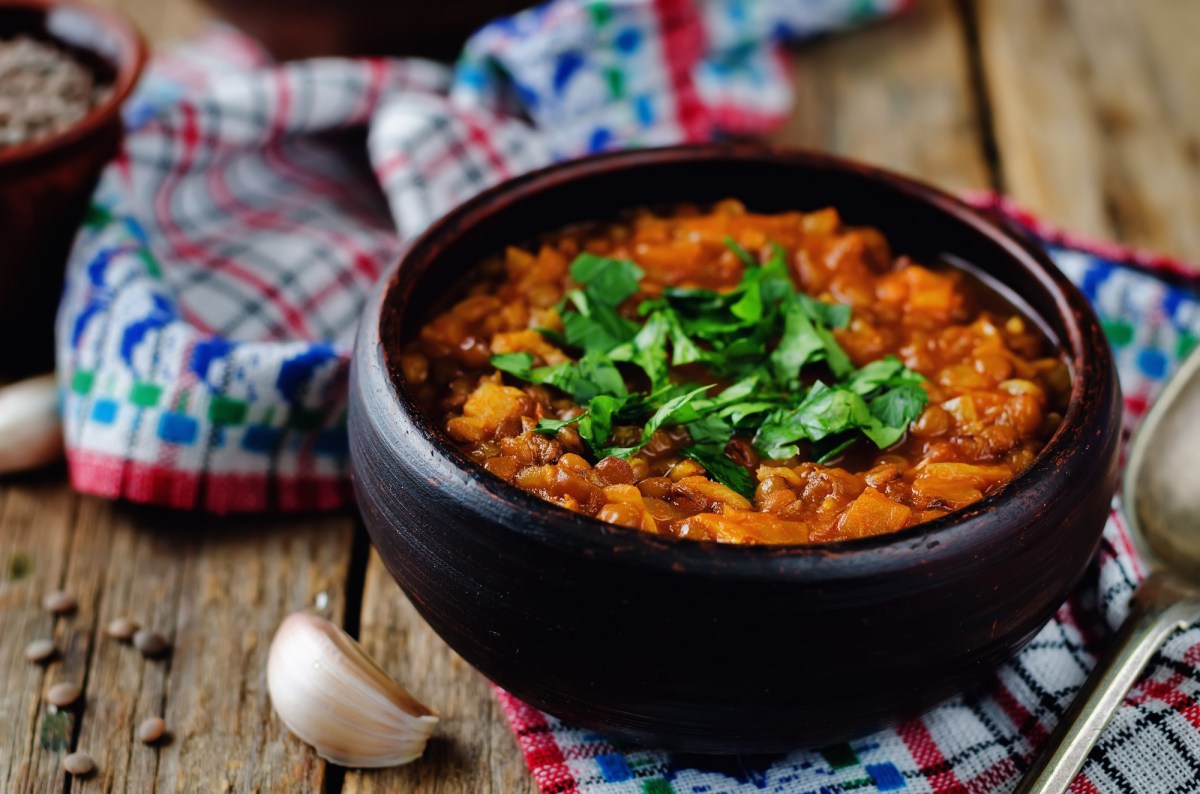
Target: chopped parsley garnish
762,337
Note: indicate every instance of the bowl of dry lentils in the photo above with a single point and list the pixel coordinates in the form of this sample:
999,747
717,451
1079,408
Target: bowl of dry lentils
65,70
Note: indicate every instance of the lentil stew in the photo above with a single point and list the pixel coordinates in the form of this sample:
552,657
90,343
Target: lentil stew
716,374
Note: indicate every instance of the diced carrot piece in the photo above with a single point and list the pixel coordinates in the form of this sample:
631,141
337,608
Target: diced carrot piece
979,476
872,513
492,404
736,526
527,341
951,493
930,293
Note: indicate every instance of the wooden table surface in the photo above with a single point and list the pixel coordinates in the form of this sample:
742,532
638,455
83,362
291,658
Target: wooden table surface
1084,110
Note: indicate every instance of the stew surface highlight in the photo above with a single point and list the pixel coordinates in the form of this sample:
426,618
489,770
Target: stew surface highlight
723,375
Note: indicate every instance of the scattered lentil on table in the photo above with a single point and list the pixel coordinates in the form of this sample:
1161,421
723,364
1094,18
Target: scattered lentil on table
122,629
150,643
151,730
63,694
78,764
59,602
40,650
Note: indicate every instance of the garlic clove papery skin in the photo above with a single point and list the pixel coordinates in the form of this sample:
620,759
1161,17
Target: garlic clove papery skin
336,698
30,427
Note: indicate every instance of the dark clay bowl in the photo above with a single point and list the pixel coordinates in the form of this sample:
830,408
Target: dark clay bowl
45,185
710,648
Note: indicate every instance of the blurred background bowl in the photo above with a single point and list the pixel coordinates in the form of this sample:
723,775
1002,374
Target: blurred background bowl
46,184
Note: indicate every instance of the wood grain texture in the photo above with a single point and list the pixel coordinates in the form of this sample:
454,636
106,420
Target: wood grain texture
472,750
1096,115
238,581
897,94
216,588
36,518
162,21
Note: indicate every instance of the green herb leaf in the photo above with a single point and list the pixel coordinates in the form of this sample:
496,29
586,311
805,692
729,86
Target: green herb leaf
675,411
833,315
729,333
598,369
595,325
594,374
683,349
831,447
749,308
710,429
900,405
876,375
799,345
609,281
648,350
720,468
733,245
825,411
552,426
516,364
776,281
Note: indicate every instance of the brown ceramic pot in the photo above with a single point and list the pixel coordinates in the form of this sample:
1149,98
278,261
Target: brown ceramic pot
711,648
45,185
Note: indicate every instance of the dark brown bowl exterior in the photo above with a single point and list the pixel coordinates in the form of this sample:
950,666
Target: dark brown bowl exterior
45,185
708,648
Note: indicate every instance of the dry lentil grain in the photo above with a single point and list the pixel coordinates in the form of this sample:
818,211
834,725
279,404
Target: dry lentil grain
43,91
150,643
63,694
122,629
60,602
78,764
39,650
151,730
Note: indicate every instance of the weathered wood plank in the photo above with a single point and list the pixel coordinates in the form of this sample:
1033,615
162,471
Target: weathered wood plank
238,580
216,588
898,95
36,517
473,751
123,688
1096,118
162,22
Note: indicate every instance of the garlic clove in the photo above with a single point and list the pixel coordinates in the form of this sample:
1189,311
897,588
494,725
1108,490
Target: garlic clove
30,428
336,698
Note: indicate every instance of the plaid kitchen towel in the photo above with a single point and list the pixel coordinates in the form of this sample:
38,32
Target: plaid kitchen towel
981,742
213,294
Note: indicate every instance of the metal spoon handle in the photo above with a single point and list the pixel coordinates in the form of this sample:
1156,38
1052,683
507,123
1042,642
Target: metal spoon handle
1157,610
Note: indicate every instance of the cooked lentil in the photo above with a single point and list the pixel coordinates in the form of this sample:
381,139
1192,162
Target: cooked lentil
993,386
